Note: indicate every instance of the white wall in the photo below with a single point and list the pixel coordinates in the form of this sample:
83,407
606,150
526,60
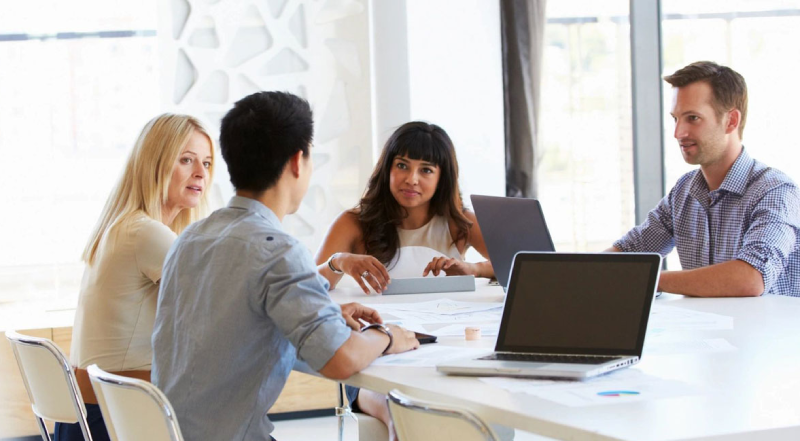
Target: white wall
445,61
214,53
456,82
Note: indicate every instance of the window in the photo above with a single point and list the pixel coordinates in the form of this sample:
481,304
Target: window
77,85
755,38
467,58
585,172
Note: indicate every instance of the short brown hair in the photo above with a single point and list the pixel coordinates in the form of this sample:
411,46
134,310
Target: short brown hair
728,86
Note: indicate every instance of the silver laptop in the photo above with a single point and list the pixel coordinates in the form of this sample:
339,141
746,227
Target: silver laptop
510,225
570,316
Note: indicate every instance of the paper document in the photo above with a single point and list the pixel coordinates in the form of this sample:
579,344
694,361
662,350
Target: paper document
443,317
529,385
487,329
428,356
616,392
425,318
670,318
659,345
624,386
441,306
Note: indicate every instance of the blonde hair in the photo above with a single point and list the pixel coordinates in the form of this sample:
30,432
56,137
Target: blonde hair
144,185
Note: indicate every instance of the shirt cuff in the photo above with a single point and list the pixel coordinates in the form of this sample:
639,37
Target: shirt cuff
762,265
323,343
622,246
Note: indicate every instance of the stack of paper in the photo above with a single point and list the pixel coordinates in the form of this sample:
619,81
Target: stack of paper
443,317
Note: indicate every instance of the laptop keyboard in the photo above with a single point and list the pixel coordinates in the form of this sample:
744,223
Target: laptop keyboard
549,358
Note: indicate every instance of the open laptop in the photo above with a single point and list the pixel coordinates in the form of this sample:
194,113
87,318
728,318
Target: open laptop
570,316
510,225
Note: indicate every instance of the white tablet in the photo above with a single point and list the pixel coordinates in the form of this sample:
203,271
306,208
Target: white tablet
424,285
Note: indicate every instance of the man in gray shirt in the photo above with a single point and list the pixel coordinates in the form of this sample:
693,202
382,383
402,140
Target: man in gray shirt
241,300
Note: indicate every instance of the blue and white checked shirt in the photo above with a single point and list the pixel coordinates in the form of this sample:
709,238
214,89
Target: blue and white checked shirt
754,216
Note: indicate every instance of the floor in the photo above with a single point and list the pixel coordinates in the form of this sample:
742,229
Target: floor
322,429
326,428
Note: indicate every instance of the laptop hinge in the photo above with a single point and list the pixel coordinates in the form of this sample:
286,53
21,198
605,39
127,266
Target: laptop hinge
567,355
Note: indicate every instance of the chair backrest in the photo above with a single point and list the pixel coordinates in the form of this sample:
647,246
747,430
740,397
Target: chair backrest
49,380
134,410
421,420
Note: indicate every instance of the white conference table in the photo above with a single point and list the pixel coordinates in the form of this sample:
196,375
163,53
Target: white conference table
752,393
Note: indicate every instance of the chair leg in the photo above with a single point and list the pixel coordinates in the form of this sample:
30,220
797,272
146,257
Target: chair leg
87,434
342,411
43,429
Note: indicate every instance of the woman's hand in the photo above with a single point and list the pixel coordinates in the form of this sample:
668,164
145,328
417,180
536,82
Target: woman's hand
364,268
451,266
353,313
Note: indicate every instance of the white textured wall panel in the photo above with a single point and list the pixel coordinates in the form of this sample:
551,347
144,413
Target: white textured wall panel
216,52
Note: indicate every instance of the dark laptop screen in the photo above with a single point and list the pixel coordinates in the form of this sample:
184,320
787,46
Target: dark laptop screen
510,225
579,303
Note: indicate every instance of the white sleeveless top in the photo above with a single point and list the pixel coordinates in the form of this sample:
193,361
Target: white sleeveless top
418,247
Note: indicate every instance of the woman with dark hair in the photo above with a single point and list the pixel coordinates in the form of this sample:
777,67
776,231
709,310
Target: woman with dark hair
410,223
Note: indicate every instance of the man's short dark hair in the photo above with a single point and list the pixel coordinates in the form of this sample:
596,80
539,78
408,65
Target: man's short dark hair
259,135
730,90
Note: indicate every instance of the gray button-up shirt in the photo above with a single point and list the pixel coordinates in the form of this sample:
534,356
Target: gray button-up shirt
240,301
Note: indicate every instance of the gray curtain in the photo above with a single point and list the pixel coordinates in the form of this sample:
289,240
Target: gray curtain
522,23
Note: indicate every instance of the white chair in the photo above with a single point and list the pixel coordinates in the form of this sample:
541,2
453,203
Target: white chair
420,420
134,410
50,382
370,428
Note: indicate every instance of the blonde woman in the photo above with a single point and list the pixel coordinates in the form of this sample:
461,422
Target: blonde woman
162,191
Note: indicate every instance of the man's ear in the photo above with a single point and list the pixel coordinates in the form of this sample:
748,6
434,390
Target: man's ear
294,163
734,119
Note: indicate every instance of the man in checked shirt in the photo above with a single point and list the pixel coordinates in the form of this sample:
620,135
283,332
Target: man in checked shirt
735,221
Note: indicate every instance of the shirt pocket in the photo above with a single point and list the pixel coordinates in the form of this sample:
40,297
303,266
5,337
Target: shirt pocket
692,241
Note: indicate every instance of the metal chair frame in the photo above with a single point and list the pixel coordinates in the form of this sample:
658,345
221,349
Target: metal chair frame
69,376
342,410
407,402
100,376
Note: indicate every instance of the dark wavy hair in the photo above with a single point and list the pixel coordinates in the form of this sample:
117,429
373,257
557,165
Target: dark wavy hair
379,214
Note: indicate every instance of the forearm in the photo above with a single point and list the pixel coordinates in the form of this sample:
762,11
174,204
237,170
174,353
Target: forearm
326,272
734,278
361,349
484,269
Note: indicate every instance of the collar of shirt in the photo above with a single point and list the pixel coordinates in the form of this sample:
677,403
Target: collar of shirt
253,205
735,181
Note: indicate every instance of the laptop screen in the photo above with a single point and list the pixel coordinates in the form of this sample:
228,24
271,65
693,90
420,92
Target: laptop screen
579,303
510,225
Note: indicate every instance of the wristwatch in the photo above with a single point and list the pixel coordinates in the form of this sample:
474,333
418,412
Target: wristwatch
383,328
330,264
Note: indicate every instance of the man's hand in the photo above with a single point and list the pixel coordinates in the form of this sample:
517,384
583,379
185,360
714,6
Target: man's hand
353,312
402,340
